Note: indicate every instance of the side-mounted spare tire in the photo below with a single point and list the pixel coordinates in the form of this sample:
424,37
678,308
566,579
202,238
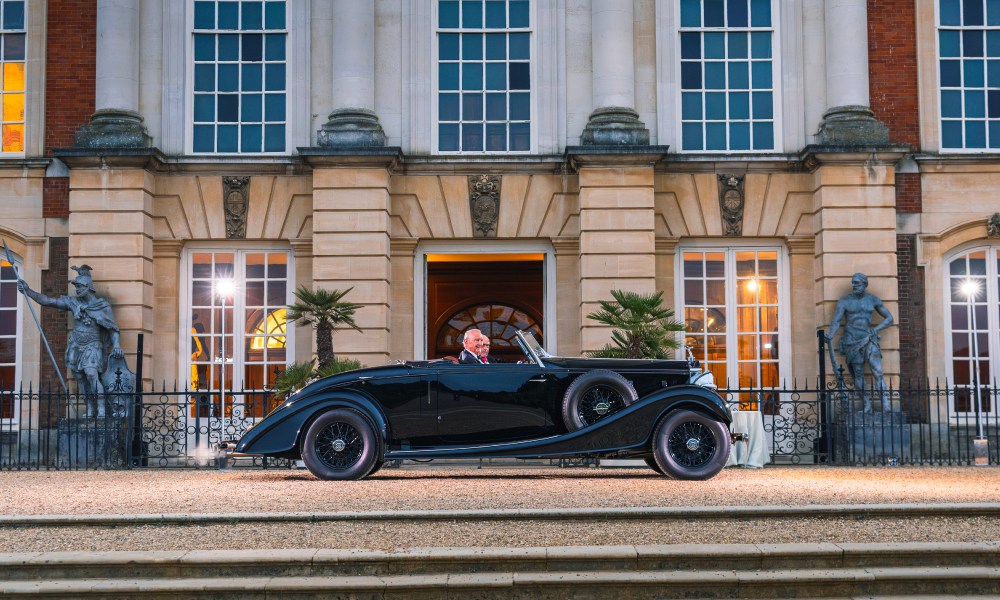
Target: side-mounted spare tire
691,445
340,444
595,395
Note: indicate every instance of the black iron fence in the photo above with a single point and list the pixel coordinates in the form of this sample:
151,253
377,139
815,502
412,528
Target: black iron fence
148,428
927,424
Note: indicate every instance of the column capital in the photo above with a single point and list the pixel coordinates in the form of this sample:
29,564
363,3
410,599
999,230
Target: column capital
351,128
852,125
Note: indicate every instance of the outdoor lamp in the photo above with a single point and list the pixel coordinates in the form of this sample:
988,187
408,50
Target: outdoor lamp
980,445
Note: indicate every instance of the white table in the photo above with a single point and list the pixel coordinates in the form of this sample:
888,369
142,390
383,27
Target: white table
753,452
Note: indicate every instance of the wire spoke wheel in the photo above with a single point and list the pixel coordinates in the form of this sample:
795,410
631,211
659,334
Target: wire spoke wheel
691,445
599,402
339,445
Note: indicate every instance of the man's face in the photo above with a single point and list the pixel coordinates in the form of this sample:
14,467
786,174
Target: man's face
485,348
858,286
474,342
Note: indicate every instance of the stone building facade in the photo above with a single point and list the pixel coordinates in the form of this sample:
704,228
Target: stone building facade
504,163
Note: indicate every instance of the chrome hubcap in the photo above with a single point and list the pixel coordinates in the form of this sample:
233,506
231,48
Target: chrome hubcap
339,445
692,444
602,408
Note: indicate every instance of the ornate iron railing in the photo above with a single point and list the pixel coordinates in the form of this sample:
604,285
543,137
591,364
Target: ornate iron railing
929,424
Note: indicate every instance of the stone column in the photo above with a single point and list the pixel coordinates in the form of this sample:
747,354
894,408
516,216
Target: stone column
848,119
116,122
614,120
353,121
351,245
617,234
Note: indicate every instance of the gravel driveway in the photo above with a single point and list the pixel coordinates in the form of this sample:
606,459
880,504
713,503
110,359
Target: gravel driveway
427,487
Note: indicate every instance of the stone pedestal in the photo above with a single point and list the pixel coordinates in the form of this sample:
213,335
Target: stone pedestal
92,443
351,128
879,437
615,126
852,126
112,128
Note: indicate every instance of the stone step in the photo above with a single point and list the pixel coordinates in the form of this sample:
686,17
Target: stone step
908,582
202,564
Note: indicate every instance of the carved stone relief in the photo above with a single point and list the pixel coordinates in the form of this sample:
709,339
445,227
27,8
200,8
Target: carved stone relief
731,203
235,195
484,204
993,226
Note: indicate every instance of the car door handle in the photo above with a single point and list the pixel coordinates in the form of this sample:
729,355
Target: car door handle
539,379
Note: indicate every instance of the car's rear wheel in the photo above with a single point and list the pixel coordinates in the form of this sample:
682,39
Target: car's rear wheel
340,444
594,396
691,445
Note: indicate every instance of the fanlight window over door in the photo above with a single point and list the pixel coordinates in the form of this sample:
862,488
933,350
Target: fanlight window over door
499,322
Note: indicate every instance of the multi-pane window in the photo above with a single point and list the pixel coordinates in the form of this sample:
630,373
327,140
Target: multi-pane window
12,38
237,322
973,284
731,311
240,80
726,73
9,329
969,71
484,76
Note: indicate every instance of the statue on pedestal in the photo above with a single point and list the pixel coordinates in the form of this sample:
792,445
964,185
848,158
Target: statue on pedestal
94,339
860,341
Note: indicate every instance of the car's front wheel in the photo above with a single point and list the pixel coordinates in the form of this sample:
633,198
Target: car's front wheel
340,444
691,445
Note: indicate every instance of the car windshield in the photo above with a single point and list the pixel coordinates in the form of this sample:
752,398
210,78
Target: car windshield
532,349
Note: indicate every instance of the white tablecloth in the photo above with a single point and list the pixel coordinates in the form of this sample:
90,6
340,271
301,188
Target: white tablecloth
753,452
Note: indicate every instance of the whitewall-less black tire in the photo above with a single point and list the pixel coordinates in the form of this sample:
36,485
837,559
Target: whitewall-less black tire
691,445
340,444
594,396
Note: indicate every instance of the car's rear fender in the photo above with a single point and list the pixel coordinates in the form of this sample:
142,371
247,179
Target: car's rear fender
280,434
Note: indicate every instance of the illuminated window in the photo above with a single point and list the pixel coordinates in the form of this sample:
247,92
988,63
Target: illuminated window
484,76
969,74
732,313
240,76
244,329
10,329
727,75
12,60
973,283
499,322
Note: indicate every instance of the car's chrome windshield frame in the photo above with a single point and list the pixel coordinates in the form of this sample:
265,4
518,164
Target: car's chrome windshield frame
531,348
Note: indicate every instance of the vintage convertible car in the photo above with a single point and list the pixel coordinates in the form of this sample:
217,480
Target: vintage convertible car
347,426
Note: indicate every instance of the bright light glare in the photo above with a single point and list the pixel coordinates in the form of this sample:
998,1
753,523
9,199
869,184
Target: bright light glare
225,287
970,288
752,285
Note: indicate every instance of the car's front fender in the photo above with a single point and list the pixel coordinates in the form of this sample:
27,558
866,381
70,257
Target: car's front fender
279,433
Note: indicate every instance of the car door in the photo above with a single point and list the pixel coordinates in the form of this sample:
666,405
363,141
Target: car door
493,403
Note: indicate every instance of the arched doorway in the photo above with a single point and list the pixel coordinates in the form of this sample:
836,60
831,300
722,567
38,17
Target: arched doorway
498,294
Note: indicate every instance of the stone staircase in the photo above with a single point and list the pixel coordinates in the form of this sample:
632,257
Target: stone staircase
911,570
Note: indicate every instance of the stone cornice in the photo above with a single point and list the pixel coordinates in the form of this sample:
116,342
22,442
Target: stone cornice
403,246
151,159
815,155
384,157
566,245
301,247
579,157
801,244
666,245
25,163
167,248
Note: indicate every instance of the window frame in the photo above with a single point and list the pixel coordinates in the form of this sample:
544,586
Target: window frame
992,325
292,87
26,96
18,311
239,346
673,32
533,103
784,300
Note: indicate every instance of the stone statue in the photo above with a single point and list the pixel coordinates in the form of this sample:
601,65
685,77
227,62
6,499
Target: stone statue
860,341
92,342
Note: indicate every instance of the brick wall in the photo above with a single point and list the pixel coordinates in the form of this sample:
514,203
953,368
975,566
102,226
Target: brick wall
70,72
55,323
908,193
892,68
911,320
55,197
